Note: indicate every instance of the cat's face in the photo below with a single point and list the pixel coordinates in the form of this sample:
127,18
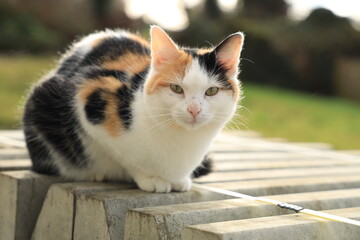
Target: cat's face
193,88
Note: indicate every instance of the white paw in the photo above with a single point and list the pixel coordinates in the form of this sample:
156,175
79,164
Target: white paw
96,178
153,184
183,185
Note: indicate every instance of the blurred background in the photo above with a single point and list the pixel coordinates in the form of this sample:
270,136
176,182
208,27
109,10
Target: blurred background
300,64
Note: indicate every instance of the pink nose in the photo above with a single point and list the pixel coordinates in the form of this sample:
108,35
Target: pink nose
194,109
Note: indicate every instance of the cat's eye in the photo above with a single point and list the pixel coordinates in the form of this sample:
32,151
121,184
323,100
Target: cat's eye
212,91
176,88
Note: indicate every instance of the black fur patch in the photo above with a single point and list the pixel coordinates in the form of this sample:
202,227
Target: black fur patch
70,65
138,79
39,153
112,48
204,169
95,73
125,96
95,107
208,62
51,112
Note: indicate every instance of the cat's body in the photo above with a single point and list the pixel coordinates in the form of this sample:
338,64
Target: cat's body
120,108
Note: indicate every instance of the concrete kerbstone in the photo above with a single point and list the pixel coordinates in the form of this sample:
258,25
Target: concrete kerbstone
278,173
56,219
13,153
21,196
167,222
102,215
16,164
287,227
291,185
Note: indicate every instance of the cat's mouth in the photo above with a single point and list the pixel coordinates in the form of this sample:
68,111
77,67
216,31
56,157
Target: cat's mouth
193,123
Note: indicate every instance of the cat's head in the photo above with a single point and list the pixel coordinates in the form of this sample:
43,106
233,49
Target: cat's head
192,88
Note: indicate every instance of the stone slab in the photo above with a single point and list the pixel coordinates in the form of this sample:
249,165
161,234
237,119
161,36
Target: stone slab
21,196
16,164
278,173
351,152
13,153
315,145
16,134
226,148
12,142
291,185
167,222
286,227
56,219
261,156
242,133
242,165
102,215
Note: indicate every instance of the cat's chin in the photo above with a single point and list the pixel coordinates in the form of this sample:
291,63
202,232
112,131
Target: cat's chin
192,126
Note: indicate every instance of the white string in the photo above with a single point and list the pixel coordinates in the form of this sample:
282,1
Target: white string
293,207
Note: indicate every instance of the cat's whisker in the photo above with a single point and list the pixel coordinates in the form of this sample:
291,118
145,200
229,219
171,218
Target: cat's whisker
150,133
158,124
245,108
232,122
238,124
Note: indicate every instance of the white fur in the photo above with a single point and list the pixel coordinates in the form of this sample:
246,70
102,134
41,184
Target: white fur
86,44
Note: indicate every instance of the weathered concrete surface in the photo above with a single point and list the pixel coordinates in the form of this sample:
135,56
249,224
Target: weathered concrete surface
21,196
56,218
287,227
102,215
351,152
291,185
279,173
242,165
261,156
16,134
16,164
13,153
225,148
316,145
167,222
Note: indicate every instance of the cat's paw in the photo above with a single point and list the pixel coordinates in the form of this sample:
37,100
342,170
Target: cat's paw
96,178
153,184
183,185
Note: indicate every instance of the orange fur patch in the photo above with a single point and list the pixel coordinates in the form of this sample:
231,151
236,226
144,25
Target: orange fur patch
108,83
130,62
112,124
166,74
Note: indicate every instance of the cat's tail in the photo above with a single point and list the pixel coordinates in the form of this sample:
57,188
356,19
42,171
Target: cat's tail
205,168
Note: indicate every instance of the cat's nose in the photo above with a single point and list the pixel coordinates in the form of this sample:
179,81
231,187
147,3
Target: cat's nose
194,109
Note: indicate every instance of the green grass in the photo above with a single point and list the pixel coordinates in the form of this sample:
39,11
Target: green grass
17,73
273,112
300,117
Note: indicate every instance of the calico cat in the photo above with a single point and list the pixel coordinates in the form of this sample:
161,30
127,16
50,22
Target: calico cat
120,108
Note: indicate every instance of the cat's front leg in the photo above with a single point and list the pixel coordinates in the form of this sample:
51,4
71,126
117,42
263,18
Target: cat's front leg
152,184
183,185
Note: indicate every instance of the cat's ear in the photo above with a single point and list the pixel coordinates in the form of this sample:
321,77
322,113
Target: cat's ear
163,49
228,52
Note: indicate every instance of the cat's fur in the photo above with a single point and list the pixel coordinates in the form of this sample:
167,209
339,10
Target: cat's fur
109,111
